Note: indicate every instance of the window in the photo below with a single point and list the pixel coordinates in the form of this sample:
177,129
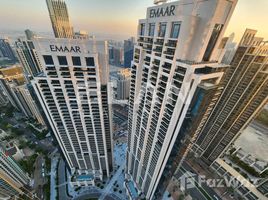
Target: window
48,60
175,30
76,61
142,29
162,29
90,61
151,30
62,60
212,41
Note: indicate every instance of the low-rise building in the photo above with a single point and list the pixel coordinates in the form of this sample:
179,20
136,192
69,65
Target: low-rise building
242,186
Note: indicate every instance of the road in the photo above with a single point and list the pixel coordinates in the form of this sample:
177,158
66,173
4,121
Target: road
201,191
39,179
62,181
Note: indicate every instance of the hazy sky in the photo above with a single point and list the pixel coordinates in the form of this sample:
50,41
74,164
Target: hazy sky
116,17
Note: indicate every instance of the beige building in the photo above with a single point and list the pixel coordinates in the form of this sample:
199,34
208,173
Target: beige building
14,86
245,94
175,66
123,84
60,19
75,96
12,178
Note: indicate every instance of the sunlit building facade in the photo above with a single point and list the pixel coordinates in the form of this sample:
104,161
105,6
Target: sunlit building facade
245,94
59,17
75,97
13,180
123,84
175,66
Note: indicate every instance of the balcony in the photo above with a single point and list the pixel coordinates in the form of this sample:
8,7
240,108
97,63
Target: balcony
171,43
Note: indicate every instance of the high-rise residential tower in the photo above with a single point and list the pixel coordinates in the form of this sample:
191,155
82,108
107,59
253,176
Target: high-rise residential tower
245,94
75,97
12,179
128,51
123,84
60,19
175,66
27,56
15,88
6,50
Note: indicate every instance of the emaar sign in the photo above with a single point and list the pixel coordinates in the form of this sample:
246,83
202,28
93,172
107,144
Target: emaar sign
65,49
162,11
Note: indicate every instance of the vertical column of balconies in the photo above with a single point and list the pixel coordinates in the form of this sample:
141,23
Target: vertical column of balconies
132,102
236,110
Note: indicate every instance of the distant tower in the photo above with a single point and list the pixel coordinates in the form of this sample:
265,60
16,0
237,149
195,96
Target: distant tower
27,56
128,51
123,84
29,34
6,50
60,19
12,178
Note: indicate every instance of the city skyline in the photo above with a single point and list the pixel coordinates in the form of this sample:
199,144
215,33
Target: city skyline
124,20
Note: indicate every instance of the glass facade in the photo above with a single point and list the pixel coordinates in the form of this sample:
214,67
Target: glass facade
151,29
162,29
142,29
175,30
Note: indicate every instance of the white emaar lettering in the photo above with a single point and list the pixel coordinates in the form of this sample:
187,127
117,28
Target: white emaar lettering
55,48
163,12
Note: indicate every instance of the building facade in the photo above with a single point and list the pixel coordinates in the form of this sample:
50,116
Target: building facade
13,180
128,52
123,84
14,86
29,34
6,50
27,56
75,97
118,54
176,57
59,17
241,186
262,187
245,94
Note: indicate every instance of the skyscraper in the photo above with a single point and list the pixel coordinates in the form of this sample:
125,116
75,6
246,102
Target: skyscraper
128,51
29,34
11,76
12,179
230,49
60,19
74,94
245,94
28,58
6,50
123,84
13,84
118,56
3,98
175,62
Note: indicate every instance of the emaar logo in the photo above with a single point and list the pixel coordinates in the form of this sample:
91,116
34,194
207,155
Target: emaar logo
64,49
163,12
